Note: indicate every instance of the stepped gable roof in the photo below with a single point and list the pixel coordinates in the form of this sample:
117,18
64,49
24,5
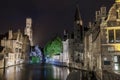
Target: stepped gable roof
77,14
112,13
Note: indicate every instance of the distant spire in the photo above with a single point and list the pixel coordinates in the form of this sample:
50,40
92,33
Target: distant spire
77,15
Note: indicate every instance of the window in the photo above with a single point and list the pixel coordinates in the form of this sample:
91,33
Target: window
111,36
103,11
115,59
118,14
20,50
110,49
117,36
107,63
116,66
16,50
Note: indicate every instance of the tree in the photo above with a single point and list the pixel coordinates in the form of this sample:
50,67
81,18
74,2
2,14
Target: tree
53,47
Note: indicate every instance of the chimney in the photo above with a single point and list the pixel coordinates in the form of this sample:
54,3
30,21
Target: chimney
65,34
103,11
90,24
98,15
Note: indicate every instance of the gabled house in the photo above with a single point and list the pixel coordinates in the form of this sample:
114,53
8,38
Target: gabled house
13,43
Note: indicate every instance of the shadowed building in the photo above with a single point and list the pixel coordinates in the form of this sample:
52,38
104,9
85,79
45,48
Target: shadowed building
73,44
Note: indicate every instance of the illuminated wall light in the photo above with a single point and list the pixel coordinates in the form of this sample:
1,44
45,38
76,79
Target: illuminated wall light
105,59
117,47
117,0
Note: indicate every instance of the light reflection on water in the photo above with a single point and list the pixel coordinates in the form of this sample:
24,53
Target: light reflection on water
13,73
34,72
60,73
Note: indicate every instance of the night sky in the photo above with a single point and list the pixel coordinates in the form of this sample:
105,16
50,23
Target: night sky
50,17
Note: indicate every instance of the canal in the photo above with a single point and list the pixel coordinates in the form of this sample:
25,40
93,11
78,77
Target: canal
41,72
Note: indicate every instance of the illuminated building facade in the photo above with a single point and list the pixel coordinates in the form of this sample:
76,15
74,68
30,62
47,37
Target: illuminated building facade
102,41
97,47
110,38
67,55
28,30
12,43
14,47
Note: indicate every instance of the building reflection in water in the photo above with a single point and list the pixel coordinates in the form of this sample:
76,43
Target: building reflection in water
35,72
13,73
60,73
1,74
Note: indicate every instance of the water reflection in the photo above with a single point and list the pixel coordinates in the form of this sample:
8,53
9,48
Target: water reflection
34,72
60,73
39,72
11,73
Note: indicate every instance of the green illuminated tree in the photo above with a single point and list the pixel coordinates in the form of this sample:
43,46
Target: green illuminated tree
53,47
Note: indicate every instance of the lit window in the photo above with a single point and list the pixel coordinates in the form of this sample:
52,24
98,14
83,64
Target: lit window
111,36
117,36
115,59
116,66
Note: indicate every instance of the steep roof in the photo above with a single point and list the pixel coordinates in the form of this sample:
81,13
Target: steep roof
77,14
